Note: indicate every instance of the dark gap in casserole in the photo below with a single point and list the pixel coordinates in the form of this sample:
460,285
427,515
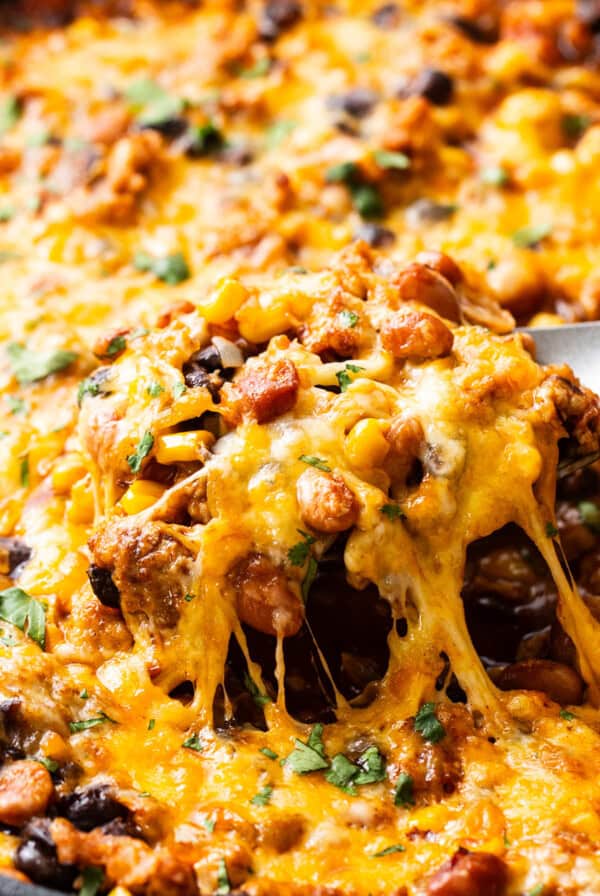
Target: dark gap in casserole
245,696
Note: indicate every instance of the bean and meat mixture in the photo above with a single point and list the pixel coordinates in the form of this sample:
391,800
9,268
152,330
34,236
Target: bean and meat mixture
292,602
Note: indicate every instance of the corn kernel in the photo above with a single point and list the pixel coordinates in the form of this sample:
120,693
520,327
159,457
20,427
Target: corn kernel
182,447
366,445
119,891
224,301
66,472
141,495
81,506
53,746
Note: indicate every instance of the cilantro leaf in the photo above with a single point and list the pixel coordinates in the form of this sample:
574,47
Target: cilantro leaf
85,724
29,367
203,139
551,530
494,176
194,743
428,725
259,698
223,885
574,125
403,792
342,773
88,386
270,754
154,390
343,376
590,515
143,450
24,471
348,319
315,462
10,112
171,269
343,173
566,715
397,160
91,881
209,824
50,764
298,554
397,847
25,612
151,724
116,345
258,70
263,797
179,389
310,756
528,237
278,132
393,512
311,574
371,765
367,201
15,404
144,91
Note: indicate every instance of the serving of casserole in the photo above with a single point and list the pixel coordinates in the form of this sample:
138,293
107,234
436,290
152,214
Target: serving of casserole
292,598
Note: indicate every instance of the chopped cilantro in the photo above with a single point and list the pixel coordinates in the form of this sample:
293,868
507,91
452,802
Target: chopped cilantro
367,201
86,387
144,91
25,612
116,345
528,237
209,824
270,754
298,554
10,112
342,773
393,512
310,756
403,792
551,530
537,890
92,879
154,390
428,725
311,574
194,743
343,173
263,797
50,764
315,462
397,847
188,597
566,715
84,694
494,176
397,160
348,319
153,104
151,724
143,450
371,766
278,132
202,139
343,376
179,389
223,885
7,212
259,698
29,367
15,405
40,138
85,724
171,269
24,472
574,125
258,70
590,515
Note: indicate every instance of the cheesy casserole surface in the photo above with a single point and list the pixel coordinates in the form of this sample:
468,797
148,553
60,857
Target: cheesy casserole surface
291,599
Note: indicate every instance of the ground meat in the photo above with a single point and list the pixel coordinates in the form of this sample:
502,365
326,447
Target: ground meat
419,283
25,790
265,599
470,874
269,390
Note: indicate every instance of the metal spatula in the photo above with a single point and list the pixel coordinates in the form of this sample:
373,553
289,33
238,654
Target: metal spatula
577,345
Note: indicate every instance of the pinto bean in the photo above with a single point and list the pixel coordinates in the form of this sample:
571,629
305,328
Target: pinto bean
442,263
325,501
470,874
265,600
406,437
561,683
269,390
419,283
25,791
416,334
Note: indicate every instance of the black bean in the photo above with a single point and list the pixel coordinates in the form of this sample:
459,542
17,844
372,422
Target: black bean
197,374
276,16
168,127
202,140
431,83
480,31
375,235
122,827
103,586
90,807
387,16
588,12
208,358
426,211
16,552
357,102
37,858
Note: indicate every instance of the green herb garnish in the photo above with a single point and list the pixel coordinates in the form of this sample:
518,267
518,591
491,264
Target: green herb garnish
342,773
50,764
566,715
179,389
551,530
590,515
263,797
258,70
310,756
494,176
209,825
223,885
528,237
343,376
29,367
397,160
151,724
91,881
259,698
202,139
154,390
143,450
574,125
403,792
313,461
10,112
428,725
278,132
311,574
270,754
85,724
171,269
15,405
25,612
194,743
392,511
397,847
348,319
298,554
